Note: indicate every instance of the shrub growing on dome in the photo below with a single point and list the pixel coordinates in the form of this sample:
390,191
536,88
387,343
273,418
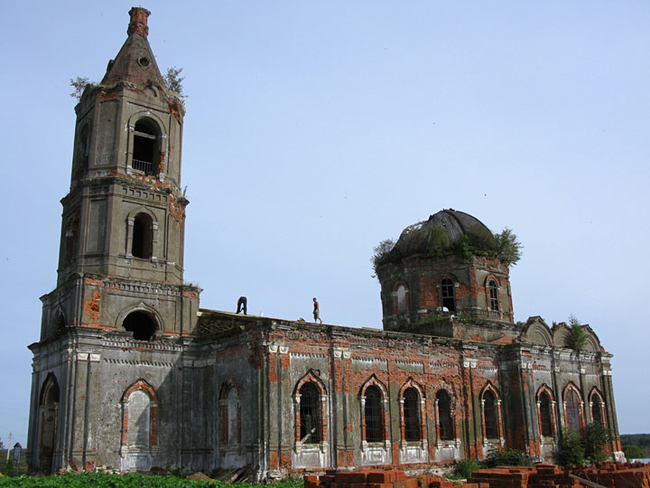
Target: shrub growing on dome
477,241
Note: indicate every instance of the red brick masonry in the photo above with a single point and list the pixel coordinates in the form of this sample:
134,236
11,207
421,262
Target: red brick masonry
609,475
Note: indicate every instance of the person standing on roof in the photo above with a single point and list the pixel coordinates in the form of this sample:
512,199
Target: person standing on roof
317,312
242,305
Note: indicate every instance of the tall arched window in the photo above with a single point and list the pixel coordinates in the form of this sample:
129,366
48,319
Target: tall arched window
142,246
493,288
374,415
445,422
490,414
597,407
139,420
545,414
448,294
411,415
139,417
310,415
572,402
145,147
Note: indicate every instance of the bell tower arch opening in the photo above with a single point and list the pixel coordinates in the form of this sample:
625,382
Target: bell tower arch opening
146,147
142,324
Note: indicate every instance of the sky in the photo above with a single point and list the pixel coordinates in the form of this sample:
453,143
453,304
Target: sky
314,130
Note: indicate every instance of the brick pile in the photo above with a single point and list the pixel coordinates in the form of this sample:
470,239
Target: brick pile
607,475
381,479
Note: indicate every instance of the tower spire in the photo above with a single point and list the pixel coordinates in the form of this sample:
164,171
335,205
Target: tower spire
135,64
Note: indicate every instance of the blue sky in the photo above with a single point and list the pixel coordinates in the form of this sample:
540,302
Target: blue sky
316,129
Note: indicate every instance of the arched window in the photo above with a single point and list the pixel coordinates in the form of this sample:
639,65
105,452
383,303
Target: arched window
48,413
145,147
493,288
374,415
401,294
445,422
490,415
142,245
572,402
139,417
141,324
448,294
597,407
411,415
230,416
72,236
310,416
139,420
545,415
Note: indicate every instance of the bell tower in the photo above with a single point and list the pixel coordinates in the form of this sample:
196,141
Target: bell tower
120,298
125,215
123,220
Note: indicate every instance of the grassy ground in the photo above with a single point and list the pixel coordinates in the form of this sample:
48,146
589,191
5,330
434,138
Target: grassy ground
131,480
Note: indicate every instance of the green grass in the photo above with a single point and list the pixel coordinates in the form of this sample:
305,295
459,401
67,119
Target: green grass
130,480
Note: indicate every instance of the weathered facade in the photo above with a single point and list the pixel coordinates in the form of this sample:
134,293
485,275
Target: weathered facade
130,374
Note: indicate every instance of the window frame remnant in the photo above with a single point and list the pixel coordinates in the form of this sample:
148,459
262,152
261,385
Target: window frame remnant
445,419
448,294
373,414
573,409
493,290
411,416
310,413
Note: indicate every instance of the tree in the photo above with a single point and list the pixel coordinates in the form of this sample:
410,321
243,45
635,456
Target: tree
596,440
509,247
571,449
633,452
577,337
174,82
380,252
79,84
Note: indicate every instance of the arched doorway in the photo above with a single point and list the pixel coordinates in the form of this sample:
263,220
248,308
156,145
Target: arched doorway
49,407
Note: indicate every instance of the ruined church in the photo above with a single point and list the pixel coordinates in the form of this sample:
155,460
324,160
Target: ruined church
131,374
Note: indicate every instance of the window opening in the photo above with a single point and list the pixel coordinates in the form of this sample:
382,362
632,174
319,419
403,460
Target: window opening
72,237
545,415
141,324
494,295
490,413
596,410
144,148
444,414
401,299
411,415
373,413
142,236
448,295
573,410
309,414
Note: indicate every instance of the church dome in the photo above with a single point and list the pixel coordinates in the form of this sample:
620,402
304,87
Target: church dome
448,224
